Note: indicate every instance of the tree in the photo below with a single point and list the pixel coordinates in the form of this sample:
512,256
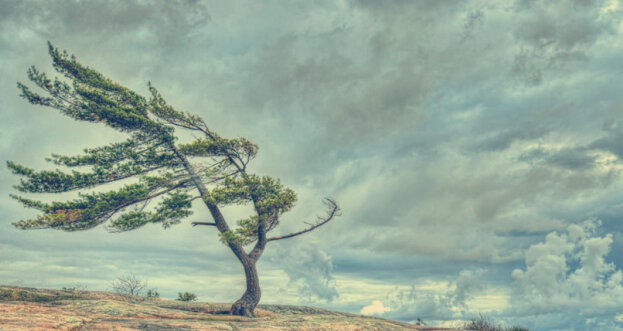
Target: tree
129,284
161,175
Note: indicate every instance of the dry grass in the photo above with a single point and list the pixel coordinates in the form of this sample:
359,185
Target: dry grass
41,309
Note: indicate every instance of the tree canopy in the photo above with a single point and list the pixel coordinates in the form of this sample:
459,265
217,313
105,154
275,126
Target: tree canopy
159,175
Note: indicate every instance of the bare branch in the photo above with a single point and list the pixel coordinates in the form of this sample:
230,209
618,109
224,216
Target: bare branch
203,223
129,284
334,211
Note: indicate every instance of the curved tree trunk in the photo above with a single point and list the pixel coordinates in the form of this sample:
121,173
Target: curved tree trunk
245,306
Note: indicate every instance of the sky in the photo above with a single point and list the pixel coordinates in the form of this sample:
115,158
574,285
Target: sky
473,147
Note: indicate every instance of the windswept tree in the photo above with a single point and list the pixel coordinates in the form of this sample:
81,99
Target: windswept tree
159,174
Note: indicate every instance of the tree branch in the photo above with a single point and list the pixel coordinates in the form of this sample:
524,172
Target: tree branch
334,211
203,223
261,235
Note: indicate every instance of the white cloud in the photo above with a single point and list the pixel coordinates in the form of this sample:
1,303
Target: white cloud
376,308
440,301
309,268
569,274
570,270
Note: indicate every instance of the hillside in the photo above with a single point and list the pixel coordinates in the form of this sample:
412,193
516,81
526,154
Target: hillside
42,309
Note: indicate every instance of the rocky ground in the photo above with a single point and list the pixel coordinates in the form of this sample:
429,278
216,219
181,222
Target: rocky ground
41,309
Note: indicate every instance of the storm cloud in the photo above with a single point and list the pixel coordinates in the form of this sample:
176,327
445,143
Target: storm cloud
467,143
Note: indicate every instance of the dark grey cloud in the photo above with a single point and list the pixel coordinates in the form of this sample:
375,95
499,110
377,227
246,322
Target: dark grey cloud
503,140
354,99
473,21
557,35
568,158
610,143
391,9
171,23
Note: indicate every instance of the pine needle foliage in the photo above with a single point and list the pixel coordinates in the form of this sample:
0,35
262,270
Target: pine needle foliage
150,154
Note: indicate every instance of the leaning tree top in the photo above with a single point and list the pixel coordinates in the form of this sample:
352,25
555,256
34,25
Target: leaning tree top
168,174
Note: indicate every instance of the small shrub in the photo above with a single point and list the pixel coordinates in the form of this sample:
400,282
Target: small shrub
18,295
35,295
482,323
186,296
77,289
80,287
153,293
22,295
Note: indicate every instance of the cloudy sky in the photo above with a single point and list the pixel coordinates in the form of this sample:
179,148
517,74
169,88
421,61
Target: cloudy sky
474,147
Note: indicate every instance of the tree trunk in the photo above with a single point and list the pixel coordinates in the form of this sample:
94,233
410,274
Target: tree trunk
245,306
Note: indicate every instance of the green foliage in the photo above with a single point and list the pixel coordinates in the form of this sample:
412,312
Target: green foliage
229,237
91,97
162,110
240,148
169,212
56,181
107,155
92,209
268,195
270,199
186,296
